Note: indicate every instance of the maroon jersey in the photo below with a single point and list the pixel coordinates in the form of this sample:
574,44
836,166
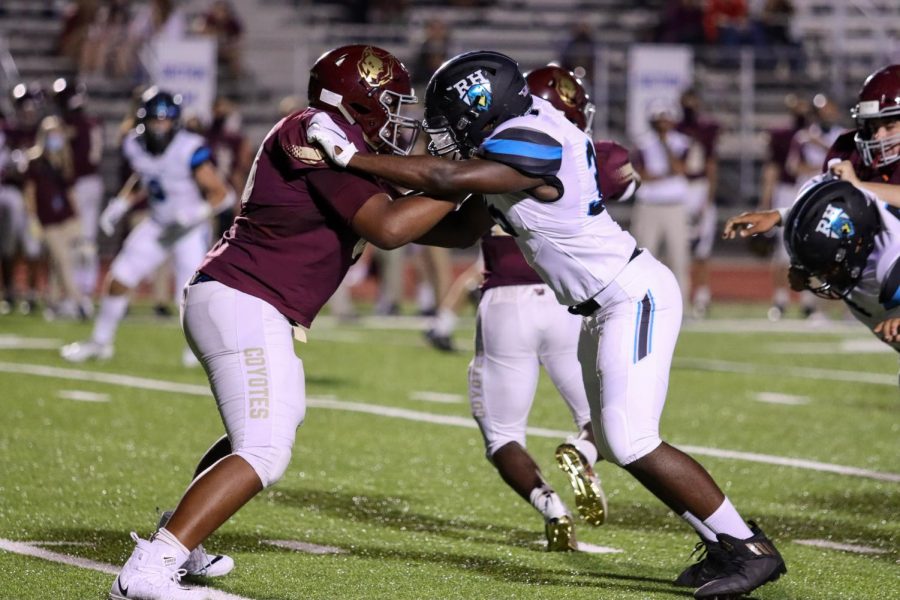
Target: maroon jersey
504,263
844,148
86,141
779,148
706,133
226,150
292,243
51,191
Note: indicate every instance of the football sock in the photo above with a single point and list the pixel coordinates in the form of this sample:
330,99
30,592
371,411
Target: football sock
702,296
165,538
727,520
112,310
548,502
445,322
702,530
586,448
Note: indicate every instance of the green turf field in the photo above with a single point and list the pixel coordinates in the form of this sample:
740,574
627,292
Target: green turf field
389,475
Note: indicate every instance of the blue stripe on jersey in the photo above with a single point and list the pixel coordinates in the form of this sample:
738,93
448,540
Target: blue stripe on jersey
637,330
520,148
889,297
200,156
652,315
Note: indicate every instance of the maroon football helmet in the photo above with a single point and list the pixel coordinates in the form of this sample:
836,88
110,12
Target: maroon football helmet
565,91
617,178
879,102
369,87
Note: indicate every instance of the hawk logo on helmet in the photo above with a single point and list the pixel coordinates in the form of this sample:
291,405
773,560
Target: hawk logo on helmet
567,90
475,90
835,223
373,70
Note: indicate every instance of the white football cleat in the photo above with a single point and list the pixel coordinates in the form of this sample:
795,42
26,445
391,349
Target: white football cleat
150,574
199,563
79,352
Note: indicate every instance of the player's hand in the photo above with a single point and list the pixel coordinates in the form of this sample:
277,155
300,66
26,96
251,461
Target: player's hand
889,329
844,170
324,132
113,213
751,223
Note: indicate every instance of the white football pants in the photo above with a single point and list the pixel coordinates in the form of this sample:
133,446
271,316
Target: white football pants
247,349
625,350
519,328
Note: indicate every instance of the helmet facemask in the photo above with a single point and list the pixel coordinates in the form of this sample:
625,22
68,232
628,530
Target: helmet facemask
399,132
878,152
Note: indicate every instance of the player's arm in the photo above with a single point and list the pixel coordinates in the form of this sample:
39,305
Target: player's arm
390,223
219,194
119,206
889,330
751,223
888,192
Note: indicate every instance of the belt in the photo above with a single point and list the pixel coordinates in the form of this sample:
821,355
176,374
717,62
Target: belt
200,277
590,306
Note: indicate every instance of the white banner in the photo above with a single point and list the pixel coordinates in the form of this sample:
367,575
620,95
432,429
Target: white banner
187,67
656,72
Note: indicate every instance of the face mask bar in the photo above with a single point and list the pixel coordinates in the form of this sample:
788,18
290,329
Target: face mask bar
442,141
589,111
400,132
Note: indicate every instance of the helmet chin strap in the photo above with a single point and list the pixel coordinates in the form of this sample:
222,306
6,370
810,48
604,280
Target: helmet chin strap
336,100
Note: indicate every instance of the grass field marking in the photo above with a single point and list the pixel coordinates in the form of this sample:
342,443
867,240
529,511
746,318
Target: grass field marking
724,366
845,346
82,396
33,550
777,398
412,415
803,326
305,547
15,342
589,548
839,546
438,397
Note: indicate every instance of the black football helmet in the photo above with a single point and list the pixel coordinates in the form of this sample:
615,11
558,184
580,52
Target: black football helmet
468,96
829,233
157,107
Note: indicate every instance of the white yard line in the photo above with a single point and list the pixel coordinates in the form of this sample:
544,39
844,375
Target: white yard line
15,342
423,417
82,396
725,366
438,397
305,547
32,549
839,546
776,398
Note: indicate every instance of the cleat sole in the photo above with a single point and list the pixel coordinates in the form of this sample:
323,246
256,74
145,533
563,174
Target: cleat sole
590,501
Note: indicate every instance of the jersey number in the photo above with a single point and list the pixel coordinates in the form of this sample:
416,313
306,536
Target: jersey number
595,207
155,192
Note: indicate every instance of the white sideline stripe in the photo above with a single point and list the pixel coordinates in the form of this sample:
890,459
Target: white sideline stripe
82,396
776,398
31,549
438,397
708,364
15,342
304,547
589,548
839,546
63,543
412,415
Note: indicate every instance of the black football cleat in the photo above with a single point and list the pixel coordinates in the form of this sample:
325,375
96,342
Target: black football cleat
439,341
749,564
710,564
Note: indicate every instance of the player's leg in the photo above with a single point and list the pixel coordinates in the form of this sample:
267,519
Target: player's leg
140,255
628,346
440,329
257,381
502,380
187,254
558,354
88,194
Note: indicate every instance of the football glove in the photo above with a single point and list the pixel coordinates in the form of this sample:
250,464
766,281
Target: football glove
113,213
324,132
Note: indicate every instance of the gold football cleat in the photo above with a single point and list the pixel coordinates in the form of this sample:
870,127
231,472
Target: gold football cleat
561,535
589,497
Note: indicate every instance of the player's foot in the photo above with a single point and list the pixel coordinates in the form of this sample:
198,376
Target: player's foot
589,497
710,564
560,534
199,563
439,342
149,574
79,352
749,564
162,310
776,312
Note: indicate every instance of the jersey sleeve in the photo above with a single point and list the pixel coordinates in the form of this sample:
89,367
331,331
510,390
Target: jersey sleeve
531,152
344,192
201,155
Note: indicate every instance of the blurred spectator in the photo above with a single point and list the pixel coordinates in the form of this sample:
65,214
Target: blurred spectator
102,53
660,215
155,20
51,209
388,11
701,169
231,153
681,23
432,53
728,23
85,138
222,22
784,52
778,190
578,53
77,17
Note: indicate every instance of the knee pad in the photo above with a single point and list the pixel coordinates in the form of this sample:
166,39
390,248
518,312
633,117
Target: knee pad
269,462
621,446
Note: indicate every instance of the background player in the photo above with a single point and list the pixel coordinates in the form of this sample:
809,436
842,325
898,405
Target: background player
183,190
537,172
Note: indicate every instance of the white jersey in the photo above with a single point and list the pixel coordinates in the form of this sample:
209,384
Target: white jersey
168,177
572,242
